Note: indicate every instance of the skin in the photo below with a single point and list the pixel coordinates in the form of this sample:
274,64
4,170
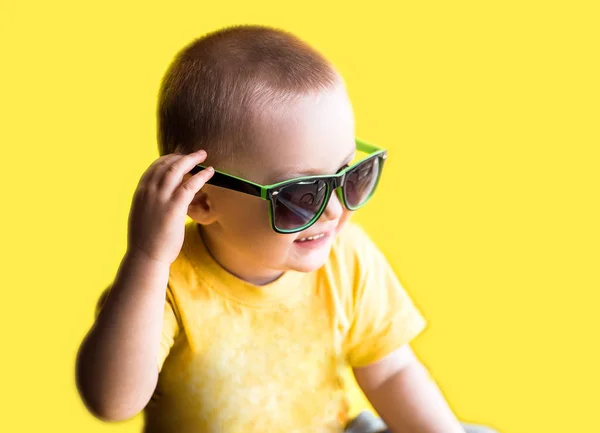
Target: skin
403,394
318,136
116,369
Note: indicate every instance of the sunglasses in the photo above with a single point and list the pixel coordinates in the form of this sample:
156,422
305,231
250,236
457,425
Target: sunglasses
297,204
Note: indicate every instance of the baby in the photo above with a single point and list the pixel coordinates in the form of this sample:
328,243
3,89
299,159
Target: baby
246,318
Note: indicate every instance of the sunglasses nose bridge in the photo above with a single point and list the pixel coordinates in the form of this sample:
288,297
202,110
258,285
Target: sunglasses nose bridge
337,182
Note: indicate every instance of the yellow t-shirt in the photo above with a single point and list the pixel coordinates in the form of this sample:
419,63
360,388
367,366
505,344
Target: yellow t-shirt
236,357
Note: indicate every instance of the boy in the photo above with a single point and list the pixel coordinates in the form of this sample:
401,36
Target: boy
270,291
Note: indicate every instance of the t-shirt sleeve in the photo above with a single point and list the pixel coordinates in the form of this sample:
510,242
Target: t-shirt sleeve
384,317
170,327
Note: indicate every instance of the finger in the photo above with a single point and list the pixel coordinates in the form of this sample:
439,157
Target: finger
188,189
161,167
147,177
172,175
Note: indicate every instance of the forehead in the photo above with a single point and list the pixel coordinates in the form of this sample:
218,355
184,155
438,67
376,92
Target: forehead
311,135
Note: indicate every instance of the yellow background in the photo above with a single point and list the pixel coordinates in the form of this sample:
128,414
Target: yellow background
488,208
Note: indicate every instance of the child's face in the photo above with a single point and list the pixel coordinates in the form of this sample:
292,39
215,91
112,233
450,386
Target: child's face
312,136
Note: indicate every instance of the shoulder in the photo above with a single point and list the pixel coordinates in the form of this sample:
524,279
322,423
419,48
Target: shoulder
354,249
352,255
192,259
352,239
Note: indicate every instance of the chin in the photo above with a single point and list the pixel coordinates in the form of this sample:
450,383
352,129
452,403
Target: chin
311,262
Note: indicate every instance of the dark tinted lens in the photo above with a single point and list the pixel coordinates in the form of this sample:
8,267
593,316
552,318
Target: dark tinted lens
297,204
360,182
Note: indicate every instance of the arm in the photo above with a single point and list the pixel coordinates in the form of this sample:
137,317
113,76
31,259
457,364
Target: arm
116,364
400,390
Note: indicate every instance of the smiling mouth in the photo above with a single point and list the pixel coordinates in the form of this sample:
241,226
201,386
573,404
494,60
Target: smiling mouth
310,238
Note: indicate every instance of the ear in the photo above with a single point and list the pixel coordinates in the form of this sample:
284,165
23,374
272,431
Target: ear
202,207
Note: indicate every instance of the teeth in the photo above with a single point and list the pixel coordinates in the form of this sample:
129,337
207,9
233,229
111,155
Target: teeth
312,238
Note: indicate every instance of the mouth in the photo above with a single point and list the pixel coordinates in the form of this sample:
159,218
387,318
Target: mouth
317,240
311,238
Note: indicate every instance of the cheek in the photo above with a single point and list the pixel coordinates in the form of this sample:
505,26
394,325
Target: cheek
261,244
247,218
346,214
258,238
247,222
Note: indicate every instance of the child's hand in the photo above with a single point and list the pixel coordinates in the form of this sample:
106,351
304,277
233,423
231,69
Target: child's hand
160,204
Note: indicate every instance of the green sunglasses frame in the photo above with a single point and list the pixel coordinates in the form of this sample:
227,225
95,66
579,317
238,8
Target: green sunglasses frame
270,192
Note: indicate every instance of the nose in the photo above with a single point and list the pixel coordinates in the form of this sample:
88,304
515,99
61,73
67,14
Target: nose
334,209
